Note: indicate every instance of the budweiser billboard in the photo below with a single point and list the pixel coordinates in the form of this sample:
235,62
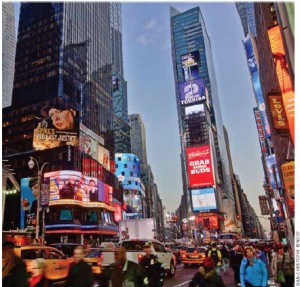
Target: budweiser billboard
278,113
264,208
199,166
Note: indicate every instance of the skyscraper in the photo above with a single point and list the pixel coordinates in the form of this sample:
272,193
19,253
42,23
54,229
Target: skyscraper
8,52
119,85
247,15
62,111
200,120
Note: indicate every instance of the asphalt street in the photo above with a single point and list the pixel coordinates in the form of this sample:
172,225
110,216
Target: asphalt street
184,275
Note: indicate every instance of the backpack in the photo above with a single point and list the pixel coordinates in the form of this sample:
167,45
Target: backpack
214,254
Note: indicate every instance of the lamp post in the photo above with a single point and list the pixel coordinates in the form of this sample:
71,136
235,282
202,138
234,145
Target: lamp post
31,164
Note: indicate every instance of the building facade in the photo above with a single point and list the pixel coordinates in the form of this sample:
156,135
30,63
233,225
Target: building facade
63,74
200,120
8,52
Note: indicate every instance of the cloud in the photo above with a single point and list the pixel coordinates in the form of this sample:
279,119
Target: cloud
150,24
145,40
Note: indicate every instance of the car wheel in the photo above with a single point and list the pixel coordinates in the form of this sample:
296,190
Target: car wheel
186,265
172,269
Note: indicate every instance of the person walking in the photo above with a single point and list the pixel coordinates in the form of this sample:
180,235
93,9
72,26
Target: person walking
13,268
38,278
154,269
123,272
80,273
216,255
282,267
225,259
253,272
236,257
207,275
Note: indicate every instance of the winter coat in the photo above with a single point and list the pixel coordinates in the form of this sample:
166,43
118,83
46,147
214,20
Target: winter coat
288,265
17,276
256,275
208,278
154,270
80,275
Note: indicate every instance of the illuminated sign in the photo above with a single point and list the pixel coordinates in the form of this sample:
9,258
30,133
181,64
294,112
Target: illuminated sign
58,127
263,203
288,172
65,202
194,109
203,200
248,42
200,167
192,91
261,135
278,112
272,169
189,64
283,76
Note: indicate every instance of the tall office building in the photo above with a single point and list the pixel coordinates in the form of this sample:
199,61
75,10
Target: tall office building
206,175
247,15
138,138
119,85
8,52
62,114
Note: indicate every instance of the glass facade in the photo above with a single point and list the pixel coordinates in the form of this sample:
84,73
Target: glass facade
189,37
247,15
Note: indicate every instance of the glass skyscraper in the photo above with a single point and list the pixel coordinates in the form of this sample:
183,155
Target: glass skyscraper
247,15
199,113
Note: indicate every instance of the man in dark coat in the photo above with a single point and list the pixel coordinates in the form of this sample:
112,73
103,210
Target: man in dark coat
80,274
123,273
14,272
207,275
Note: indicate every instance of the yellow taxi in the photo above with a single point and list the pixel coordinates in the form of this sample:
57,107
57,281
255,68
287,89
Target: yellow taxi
57,265
193,255
182,249
94,257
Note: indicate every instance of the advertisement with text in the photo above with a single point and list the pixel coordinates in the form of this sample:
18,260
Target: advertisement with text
203,200
192,91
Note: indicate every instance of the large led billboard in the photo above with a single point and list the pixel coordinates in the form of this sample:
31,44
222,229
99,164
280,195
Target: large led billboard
284,79
203,200
189,64
133,201
272,169
192,91
58,127
261,135
200,166
288,172
195,109
248,42
278,113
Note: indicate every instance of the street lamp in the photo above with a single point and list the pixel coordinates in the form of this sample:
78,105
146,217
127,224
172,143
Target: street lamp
31,164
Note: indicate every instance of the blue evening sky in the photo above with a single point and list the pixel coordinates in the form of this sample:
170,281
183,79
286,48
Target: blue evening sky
151,91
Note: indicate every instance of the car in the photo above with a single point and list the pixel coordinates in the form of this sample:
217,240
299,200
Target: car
182,249
174,250
94,257
194,255
57,265
227,238
66,248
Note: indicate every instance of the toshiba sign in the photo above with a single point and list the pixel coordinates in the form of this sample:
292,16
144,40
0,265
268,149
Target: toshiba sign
200,167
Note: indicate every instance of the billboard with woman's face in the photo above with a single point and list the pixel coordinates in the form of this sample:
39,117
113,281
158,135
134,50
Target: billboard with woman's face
57,127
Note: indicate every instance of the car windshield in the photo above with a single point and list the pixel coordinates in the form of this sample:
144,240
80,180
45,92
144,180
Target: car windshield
200,250
94,254
133,245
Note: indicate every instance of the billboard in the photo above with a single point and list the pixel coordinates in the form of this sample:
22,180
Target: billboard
272,169
103,157
200,166
284,79
133,201
248,42
203,200
118,212
261,135
288,172
189,64
69,184
263,203
194,109
58,127
192,91
278,113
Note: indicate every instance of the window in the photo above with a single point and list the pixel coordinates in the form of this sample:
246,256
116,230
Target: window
129,181
65,214
125,165
117,165
119,158
158,247
54,255
131,173
33,253
123,173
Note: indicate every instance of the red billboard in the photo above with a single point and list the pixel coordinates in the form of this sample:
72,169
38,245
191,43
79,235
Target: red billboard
200,167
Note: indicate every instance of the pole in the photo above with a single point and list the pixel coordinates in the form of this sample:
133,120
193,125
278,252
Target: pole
37,226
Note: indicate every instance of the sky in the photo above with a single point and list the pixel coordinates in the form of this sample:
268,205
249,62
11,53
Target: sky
151,92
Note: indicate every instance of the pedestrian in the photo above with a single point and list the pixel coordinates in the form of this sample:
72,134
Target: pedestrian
282,267
207,275
13,268
225,259
236,257
260,254
216,255
80,273
154,269
38,278
253,272
123,272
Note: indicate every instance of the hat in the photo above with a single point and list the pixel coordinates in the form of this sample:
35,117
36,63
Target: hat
147,244
209,263
33,181
247,248
8,244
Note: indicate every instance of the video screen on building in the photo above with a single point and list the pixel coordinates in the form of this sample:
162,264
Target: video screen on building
68,184
195,109
133,201
192,91
57,127
189,64
203,200
200,166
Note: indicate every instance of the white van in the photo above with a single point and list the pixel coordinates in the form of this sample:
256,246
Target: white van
227,238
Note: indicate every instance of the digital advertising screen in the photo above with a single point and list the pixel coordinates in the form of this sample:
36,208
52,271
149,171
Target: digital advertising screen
200,166
68,184
103,157
133,201
195,109
192,91
189,64
273,171
118,211
203,200
57,127
88,145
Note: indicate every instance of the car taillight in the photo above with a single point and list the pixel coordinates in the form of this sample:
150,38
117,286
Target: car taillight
140,256
183,256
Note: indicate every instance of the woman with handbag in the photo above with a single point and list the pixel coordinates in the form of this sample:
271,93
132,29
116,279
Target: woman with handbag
282,268
253,272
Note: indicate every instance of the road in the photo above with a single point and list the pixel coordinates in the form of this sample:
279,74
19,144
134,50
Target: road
184,275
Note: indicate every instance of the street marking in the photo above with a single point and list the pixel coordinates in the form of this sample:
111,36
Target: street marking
183,283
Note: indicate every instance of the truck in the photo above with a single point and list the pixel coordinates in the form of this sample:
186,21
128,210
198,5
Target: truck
137,229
